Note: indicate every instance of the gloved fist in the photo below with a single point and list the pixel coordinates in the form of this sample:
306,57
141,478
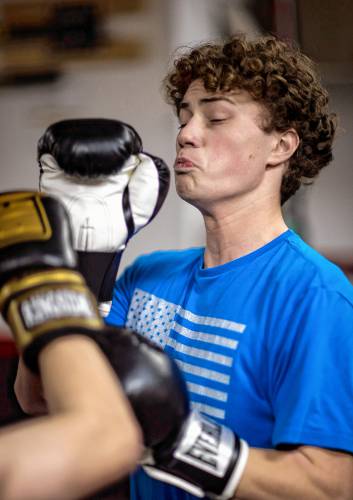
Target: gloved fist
41,295
151,380
110,187
205,459
184,448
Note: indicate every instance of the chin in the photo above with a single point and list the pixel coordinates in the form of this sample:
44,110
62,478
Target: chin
184,195
186,189
189,198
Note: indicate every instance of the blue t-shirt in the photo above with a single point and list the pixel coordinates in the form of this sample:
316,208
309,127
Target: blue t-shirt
265,342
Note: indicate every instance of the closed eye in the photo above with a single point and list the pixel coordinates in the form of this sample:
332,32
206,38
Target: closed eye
217,120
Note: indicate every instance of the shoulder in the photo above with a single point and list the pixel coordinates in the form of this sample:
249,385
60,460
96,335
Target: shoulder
165,261
305,268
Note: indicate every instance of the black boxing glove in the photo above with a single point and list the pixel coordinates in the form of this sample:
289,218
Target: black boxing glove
41,295
185,448
206,459
110,187
151,381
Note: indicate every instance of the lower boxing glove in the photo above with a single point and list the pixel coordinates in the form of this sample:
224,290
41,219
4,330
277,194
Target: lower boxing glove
151,381
205,459
183,448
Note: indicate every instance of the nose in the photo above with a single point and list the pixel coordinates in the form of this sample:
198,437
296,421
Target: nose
189,134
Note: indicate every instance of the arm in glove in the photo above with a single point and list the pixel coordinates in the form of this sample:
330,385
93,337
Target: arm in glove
184,448
42,296
76,449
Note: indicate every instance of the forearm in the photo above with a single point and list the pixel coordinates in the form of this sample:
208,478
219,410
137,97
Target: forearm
29,392
77,376
90,439
305,472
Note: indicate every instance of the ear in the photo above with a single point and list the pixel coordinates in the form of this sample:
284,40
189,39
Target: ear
285,145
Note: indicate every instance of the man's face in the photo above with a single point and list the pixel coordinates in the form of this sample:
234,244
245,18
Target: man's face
222,151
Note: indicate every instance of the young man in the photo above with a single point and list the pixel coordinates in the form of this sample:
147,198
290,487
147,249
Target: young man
260,324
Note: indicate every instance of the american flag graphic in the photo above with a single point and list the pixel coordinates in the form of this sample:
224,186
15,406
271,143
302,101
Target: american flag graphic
203,346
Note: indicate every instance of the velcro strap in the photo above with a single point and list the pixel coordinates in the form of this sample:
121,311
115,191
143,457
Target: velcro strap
22,218
48,301
206,445
208,459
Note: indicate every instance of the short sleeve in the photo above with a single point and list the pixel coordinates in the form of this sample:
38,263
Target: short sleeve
121,298
312,393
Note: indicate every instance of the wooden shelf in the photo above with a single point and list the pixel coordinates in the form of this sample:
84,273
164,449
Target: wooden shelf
38,58
37,11
34,42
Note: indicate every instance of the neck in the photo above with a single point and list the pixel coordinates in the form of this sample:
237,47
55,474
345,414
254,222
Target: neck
234,232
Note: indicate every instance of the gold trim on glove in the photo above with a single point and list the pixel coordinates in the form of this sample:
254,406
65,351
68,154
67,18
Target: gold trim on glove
23,218
47,301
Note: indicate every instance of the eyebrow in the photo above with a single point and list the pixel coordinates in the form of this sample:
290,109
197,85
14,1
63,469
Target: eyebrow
206,100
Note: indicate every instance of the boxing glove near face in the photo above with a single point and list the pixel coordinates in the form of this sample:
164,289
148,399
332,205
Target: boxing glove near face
110,188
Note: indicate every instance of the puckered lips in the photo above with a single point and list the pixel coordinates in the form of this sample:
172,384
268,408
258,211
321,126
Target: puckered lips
182,165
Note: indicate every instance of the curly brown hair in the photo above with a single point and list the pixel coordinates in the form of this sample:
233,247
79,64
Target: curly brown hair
277,75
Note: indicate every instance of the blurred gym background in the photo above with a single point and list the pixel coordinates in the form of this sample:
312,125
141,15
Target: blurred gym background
106,58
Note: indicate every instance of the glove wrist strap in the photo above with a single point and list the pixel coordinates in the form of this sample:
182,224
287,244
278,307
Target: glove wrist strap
207,459
48,304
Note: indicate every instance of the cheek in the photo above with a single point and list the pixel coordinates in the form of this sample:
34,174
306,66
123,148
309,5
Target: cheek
233,156
239,163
